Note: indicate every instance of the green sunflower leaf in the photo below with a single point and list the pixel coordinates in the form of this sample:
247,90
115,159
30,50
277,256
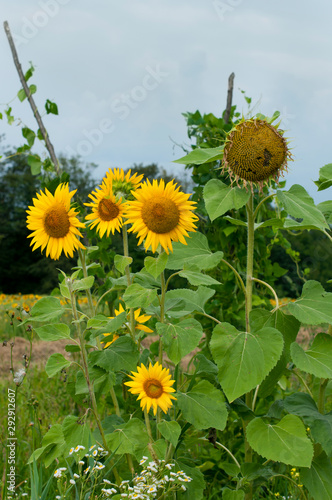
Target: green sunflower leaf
55,363
318,359
285,442
318,479
195,253
228,494
46,309
121,262
244,359
190,300
219,198
170,430
300,205
288,326
201,155
52,332
137,296
128,437
181,338
325,177
314,307
121,355
156,265
204,406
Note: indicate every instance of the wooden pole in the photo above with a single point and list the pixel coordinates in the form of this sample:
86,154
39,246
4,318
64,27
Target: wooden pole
227,111
32,103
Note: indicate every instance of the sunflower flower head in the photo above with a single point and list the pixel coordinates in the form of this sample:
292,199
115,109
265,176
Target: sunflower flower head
53,223
107,210
139,318
161,214
255,151
153,386
123,184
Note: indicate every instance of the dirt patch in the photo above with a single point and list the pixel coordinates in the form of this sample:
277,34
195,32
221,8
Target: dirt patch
41,351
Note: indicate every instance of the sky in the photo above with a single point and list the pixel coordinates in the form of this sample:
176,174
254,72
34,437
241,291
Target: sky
123,72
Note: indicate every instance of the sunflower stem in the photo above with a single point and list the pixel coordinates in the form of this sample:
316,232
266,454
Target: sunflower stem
270,288
127,271
86,372
148,426
85,274
248,307
321,395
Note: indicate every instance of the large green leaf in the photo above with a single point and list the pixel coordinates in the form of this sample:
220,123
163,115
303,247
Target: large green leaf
121,262
156,265
304,406
326,208
219,198
195,253
83,284
192,300
170,430
55,363
55,331
137,296
106,325
75,432
45,310
300,205
244,359
203,406
127,438
53,445
318,359
285,442
288,326
120,355
196,278
228,494
196,487
314,307
318,479
325,177
201,155
181,338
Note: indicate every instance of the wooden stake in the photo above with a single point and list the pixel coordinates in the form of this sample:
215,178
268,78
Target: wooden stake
32,103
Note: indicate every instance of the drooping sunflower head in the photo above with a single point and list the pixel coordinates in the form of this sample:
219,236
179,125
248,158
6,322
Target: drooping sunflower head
255,151
123,184
54,224
161,214
107,211
153,386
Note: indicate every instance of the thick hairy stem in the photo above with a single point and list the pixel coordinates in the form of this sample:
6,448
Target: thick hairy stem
249,280
127,271
321,395
85,274
86,374
32,103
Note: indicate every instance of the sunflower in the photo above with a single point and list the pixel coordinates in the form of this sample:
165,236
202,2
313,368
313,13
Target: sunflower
255,151
139,318
54,223
161,214
107,211
123,184
153,386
